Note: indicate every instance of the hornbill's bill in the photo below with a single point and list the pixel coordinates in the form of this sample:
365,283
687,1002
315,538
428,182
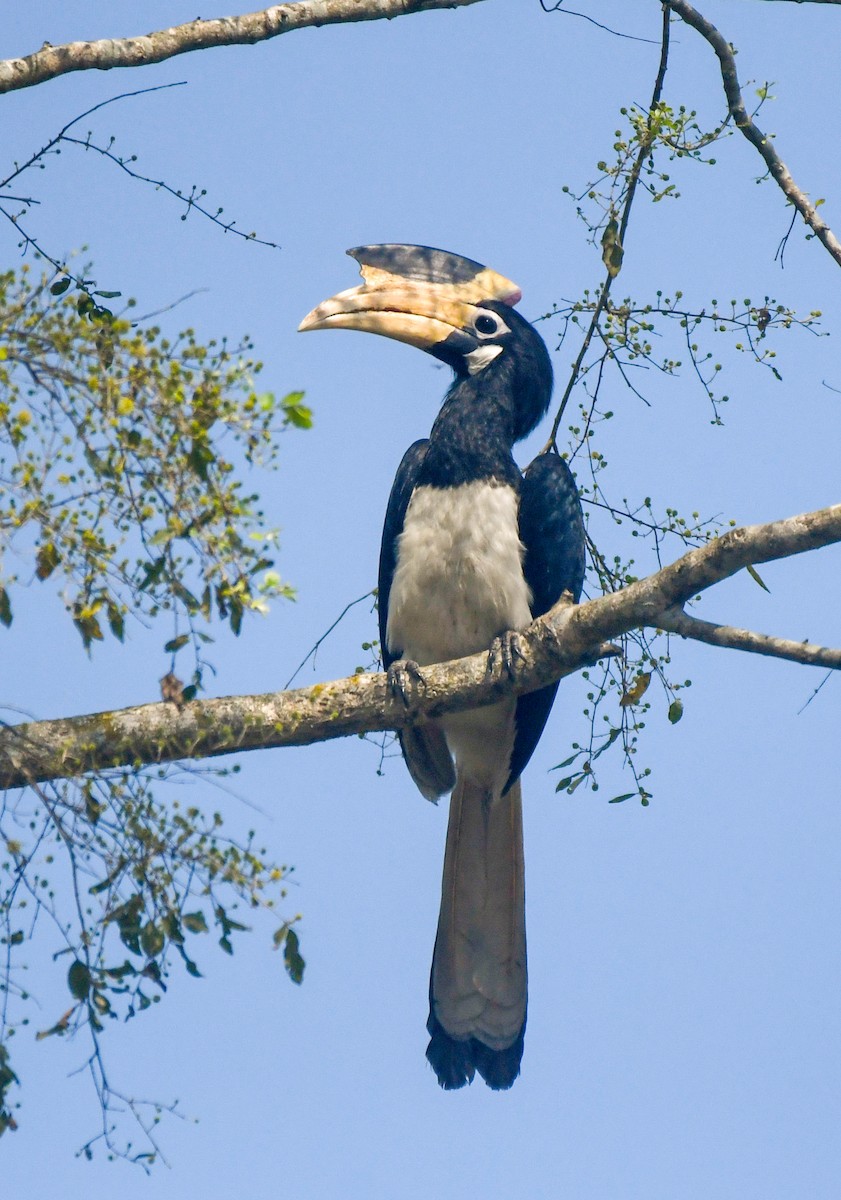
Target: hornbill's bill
472,551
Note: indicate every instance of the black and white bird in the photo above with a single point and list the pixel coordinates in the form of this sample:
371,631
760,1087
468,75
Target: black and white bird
472,551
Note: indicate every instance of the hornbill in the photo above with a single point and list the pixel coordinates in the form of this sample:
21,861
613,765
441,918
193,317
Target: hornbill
472,551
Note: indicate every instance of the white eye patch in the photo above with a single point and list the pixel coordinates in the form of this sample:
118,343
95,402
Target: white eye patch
489,325
479,358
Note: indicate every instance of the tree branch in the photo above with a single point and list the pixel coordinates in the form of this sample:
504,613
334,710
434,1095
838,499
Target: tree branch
731,638
557,644
107,53
732,90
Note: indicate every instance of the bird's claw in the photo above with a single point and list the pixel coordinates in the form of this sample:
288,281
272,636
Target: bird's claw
504,653
404,677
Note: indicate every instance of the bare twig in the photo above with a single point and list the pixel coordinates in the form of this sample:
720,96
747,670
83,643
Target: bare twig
191,200
644,150
313,650
571,12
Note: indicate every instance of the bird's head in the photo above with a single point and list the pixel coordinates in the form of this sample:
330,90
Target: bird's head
453,308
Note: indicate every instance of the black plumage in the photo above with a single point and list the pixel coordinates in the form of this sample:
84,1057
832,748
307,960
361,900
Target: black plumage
472,551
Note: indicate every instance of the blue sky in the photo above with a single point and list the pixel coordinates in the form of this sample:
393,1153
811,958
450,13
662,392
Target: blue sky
684,959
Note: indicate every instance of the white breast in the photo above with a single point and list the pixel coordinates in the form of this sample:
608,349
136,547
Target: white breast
459,577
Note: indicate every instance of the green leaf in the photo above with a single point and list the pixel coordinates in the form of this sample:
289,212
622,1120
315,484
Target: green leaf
236,615
60,286
93,808
104,884
127,918
200,458
292,959
567,761
195,922
185,595
637,690
152,572
151,939
612,252
176,643
100,1002
5,608
173,928
296,413
621,799
755,576
123,972
675,711
153,971
60,1027
116,621
89,628
79,980
46,560
7,1075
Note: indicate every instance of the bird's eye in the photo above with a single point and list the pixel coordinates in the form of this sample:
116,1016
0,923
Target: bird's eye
486,325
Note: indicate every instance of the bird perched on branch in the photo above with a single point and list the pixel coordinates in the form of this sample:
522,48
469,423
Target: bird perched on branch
472,551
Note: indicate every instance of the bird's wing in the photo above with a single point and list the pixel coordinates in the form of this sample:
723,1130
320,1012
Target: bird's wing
395,515
552,531
424,746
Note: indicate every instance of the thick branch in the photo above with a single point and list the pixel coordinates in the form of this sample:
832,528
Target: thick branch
776,167
106,53
555,645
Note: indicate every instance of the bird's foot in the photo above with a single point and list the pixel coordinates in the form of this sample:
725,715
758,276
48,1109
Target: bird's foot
504,653
405,679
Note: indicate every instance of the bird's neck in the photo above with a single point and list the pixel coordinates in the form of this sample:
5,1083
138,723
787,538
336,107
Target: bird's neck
472,437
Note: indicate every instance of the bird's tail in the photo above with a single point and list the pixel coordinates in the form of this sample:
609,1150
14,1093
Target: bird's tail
477,992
